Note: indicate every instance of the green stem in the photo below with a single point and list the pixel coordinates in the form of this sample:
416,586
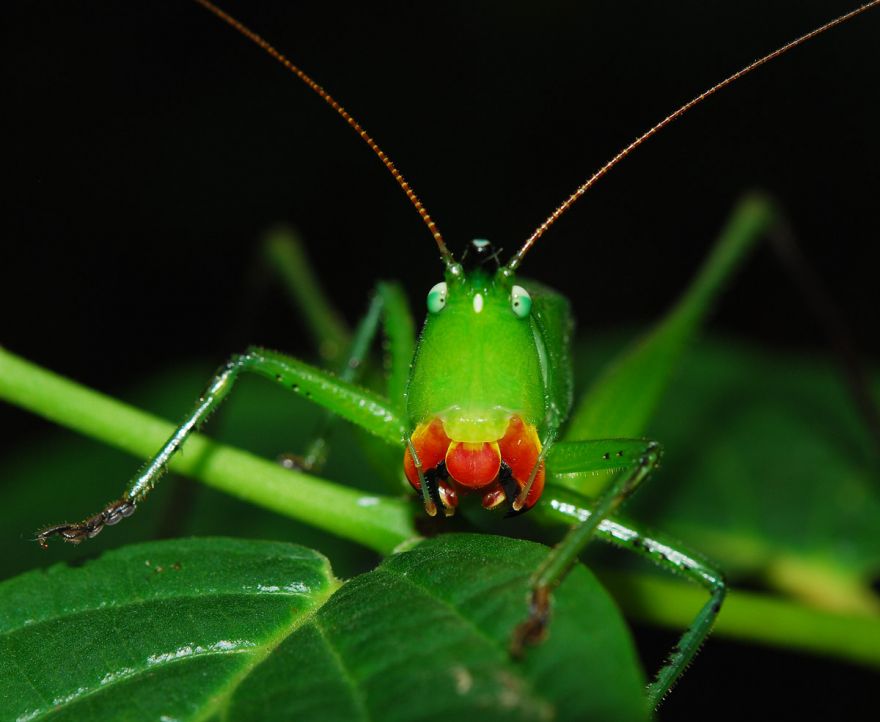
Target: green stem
752,617
378,522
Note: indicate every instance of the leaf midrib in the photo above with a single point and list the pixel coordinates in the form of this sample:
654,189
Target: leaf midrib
515,670
143,602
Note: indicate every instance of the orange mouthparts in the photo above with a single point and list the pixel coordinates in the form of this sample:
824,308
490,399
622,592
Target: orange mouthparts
497,469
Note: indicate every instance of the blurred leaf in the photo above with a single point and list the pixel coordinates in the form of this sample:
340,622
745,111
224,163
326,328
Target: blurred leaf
209,628
768,469
766,458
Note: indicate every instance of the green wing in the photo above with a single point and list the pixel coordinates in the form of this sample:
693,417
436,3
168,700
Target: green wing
553,326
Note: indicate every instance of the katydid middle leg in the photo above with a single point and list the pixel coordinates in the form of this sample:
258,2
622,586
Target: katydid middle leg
620,403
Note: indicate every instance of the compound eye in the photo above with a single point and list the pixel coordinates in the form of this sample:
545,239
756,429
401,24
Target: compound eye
520,301
437,297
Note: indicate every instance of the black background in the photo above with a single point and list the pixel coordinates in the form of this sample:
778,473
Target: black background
146,147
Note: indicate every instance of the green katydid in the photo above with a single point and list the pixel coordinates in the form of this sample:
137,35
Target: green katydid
503,439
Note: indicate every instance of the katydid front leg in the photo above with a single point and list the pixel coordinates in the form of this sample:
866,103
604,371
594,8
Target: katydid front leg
360,406
565,505
636,459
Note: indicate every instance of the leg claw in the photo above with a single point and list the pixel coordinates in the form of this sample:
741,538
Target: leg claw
533,630
112,514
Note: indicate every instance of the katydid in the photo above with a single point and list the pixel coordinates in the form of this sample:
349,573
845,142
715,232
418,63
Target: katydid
508,439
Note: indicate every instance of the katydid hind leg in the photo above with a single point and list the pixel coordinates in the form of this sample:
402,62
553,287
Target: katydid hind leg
626,394
564,505
359,406
285,255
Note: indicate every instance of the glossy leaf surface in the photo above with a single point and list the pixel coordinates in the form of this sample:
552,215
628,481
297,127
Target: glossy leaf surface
153,631
220,628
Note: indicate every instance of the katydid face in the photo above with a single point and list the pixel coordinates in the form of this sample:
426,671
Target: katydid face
475,397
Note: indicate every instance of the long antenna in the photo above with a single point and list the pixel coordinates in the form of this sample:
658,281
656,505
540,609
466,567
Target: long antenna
445,253
553,217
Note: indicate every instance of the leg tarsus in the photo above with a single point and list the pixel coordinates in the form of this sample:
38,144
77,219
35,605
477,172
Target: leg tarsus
88,528
533,630
687,646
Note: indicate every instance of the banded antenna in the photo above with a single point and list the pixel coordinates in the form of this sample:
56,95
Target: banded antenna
263,44
515,261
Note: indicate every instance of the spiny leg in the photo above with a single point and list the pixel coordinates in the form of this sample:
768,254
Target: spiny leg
565,505
360,406
636,459
626,395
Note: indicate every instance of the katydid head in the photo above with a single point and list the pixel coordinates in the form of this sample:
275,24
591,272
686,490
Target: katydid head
475,395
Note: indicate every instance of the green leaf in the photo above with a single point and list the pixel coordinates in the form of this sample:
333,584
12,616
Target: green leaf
768,469
767,462
204,628
150,630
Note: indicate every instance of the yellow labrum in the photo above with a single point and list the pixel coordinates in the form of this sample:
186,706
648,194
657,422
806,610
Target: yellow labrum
476,426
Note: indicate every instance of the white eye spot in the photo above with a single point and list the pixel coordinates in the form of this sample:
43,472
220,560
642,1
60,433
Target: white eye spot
478,303
520,301
437,297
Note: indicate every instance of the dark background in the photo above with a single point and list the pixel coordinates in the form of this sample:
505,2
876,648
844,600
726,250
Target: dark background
146,147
